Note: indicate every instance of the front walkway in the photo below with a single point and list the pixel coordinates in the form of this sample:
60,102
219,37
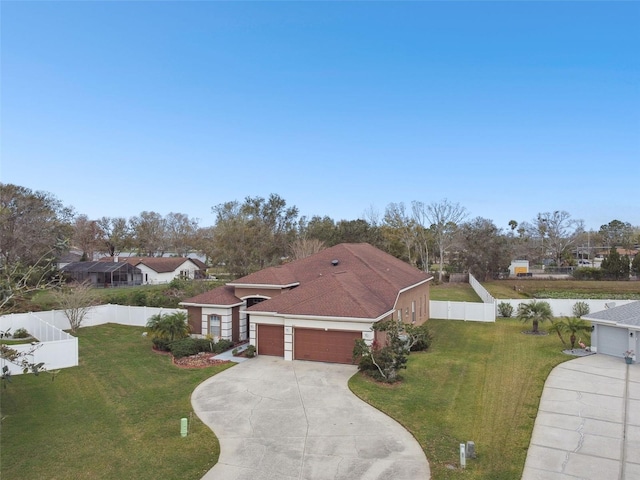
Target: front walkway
299,420
588,422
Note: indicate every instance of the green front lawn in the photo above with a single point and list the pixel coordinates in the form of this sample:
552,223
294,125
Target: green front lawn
479,382
115,416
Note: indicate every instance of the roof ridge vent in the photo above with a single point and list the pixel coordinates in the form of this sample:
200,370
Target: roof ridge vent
335,262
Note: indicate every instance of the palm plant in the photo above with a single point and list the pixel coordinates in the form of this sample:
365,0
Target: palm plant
169,326
574,325
534,312
558,328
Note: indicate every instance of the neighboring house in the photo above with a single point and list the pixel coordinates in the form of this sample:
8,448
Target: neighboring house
67,258
103,274
157,270
316,307
616,330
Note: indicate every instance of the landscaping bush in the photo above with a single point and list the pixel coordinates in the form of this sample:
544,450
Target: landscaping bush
188,346
203,344
505,309
184,347
139,298
587,273
250,351
420,337
222,345
21,333
580,309
161,344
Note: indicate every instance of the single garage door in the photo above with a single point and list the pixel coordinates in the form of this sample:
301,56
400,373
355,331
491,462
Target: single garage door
613,341
335,346
270,340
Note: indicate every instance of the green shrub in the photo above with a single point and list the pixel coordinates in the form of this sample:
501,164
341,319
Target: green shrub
505,309
203,344
580,309
222,346
587,273
161,344
184,347
21,333
250,351
419,337
178,283
139,298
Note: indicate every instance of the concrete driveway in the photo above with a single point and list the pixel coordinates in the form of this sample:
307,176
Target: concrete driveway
298,420
588,423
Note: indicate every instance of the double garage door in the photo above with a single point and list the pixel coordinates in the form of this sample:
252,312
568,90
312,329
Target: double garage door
334,346
612,340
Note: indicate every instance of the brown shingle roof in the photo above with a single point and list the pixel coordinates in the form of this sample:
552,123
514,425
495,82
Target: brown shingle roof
218,296
364,283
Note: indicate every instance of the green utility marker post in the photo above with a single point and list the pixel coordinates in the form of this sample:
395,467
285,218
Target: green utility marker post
183,427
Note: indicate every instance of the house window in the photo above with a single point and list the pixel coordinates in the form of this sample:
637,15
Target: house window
214,325
184,274
413,312
400,315
252,301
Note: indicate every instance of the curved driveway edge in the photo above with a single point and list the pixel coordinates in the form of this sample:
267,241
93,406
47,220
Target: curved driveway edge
299,420
588,422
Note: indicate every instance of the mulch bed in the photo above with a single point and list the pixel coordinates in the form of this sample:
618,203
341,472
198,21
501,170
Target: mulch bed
200,360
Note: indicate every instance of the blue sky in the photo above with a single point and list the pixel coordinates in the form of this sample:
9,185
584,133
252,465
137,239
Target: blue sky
508,108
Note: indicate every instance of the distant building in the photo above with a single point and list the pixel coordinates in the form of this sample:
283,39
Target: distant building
103,274
157,270
519,268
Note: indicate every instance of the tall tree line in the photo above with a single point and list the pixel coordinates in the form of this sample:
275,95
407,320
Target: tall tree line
257,232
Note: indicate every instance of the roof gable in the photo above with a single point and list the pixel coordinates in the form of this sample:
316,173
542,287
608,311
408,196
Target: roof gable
628,314
218,296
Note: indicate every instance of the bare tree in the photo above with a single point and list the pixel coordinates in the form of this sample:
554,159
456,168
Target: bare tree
76,301
17,280
115,235
181,232
303,247
86,236
558,231
398,221
150,233
443,218
33,224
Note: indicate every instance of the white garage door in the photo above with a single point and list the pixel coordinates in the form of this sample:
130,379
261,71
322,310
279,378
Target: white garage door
613,341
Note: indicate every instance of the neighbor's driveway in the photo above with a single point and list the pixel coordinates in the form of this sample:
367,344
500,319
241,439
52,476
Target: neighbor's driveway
299,420
588,423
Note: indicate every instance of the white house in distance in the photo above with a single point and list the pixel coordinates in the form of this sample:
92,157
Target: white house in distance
156,270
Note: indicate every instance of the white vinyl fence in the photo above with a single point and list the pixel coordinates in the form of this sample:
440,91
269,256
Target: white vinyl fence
488,310
564,307
467,311
56,348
